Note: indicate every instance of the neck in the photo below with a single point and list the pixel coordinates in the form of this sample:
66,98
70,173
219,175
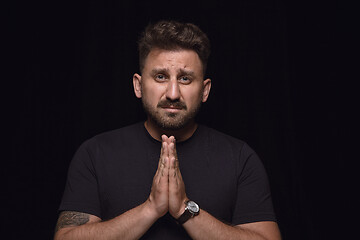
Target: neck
180,135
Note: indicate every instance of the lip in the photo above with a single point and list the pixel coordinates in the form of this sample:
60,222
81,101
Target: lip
171,109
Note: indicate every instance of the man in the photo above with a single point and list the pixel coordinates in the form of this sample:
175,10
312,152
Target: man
167,178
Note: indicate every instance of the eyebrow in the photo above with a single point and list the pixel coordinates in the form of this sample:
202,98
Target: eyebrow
180,72
183,71
159,70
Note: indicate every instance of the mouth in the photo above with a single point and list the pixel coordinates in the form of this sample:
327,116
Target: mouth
172,109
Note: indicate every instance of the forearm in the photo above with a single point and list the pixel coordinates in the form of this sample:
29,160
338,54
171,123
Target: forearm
205,226
130,225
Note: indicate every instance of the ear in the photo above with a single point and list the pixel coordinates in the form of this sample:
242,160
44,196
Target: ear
137,85
206,89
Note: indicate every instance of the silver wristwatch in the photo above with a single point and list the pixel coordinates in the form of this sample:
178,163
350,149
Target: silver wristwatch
191,210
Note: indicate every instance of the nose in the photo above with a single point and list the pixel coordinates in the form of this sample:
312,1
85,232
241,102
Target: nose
173,90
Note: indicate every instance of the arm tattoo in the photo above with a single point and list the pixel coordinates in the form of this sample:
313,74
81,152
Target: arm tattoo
69,218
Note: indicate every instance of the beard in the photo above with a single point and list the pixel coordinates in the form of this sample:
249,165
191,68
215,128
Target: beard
169,120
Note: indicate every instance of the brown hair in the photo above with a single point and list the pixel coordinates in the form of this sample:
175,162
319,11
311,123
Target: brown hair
172,35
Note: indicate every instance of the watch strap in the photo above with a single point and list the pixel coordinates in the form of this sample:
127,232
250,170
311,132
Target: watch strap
184,217
189,212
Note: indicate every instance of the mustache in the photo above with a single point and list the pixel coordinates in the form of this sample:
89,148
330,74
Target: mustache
173,104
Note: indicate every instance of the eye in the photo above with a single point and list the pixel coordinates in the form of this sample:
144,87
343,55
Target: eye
160,77
185,79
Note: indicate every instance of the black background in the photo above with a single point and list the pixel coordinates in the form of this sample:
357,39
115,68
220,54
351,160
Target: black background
274,68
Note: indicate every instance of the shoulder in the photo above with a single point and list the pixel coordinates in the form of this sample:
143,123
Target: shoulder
222,142
116,138
219,138
125,133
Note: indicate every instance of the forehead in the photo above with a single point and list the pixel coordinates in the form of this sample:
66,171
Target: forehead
173,60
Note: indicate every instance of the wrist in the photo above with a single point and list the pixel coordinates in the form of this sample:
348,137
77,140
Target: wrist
178,214
178,209
191,210
149,211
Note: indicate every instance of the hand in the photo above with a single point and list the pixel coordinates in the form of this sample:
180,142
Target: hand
177,195
168,188
159,196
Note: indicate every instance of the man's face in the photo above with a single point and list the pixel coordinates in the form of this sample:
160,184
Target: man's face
172,87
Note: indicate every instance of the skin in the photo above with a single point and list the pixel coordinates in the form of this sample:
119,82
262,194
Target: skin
163,81
172,77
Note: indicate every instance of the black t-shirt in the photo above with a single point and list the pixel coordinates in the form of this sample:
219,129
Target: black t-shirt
112,173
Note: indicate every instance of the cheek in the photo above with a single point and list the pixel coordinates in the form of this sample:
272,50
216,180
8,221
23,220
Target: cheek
192,95
152,93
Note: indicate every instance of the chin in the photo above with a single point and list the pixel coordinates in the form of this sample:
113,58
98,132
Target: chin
172,125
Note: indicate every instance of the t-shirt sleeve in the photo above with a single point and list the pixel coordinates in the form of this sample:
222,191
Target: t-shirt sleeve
253,202
81,189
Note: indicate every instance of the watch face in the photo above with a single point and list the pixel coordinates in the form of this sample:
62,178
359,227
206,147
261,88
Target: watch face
193,207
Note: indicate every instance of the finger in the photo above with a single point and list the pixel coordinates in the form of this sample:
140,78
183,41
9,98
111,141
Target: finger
162,174
162,162
164,148
175,170
172,151
172,171
173,155
165,170
174,161
165,138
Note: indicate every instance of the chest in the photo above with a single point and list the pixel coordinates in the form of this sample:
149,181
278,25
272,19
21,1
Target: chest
126,182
